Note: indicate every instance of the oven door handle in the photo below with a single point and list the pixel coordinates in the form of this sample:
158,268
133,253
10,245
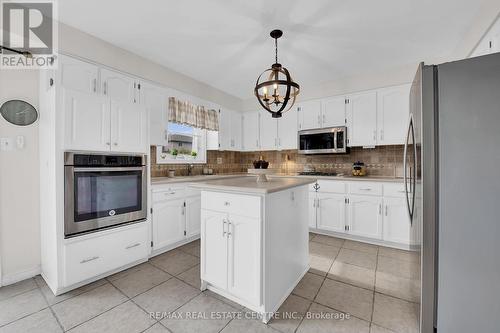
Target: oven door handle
110,169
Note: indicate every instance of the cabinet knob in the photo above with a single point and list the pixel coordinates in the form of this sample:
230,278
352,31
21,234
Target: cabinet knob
115,143
226,203
108,143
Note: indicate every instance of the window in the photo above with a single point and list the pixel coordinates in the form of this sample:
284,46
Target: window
186,145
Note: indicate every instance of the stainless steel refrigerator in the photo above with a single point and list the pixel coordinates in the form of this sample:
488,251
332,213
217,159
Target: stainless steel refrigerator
452,159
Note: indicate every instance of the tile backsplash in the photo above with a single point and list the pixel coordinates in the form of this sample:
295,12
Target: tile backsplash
380,161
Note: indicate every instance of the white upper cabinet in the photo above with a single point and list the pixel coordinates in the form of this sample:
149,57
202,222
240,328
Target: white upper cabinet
361,117
287,130
78,75
119,87
333,111
155,101
309,114
87,122
268,132
236,130
229,130
251,133
393,109
129,127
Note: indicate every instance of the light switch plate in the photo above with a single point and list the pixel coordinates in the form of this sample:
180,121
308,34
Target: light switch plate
6,144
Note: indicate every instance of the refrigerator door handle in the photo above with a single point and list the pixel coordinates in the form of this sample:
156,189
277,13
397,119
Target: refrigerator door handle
405,169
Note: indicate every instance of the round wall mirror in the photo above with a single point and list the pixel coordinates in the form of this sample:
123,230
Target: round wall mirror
19,112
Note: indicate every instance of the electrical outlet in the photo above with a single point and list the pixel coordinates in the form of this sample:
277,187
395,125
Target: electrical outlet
219,160
6,144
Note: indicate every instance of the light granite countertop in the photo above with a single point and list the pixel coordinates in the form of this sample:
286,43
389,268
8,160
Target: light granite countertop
200,178
249,184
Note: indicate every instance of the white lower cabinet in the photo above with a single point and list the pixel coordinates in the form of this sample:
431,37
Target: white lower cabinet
214,248
168,222
193,216
175,216
243,234
365,216
89,256
331,211
397,227
231,253
368,210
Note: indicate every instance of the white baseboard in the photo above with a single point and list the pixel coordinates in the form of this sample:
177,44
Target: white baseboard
19,276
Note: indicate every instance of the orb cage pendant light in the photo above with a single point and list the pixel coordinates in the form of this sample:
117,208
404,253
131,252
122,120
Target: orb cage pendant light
278,93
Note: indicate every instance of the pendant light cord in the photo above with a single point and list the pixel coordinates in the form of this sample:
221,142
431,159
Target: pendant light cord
276,48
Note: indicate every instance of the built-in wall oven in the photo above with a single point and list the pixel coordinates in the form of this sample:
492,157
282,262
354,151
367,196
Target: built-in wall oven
332,140
103,191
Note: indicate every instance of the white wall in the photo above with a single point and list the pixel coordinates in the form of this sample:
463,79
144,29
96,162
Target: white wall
19,184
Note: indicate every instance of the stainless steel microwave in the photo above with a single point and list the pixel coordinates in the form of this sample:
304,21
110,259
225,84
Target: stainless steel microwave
332,140
103,191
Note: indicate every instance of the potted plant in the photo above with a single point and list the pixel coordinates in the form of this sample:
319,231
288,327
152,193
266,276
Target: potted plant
175,152
194,154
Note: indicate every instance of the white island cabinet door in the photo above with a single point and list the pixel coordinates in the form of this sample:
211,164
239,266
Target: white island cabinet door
128,127
168,222
193,216
244,258
214,248
365,216
87,121
331,212
396,221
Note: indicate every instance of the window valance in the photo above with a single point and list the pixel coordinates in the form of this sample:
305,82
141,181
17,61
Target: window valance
184,112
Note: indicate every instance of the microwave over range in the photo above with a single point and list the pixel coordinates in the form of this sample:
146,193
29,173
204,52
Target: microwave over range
332,140
103,191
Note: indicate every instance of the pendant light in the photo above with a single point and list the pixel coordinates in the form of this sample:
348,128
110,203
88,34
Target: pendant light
278,93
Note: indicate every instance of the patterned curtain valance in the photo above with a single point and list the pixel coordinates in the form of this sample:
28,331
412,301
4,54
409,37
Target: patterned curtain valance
184,112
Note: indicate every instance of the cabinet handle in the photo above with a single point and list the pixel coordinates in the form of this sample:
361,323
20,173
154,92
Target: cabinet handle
375,135
279,142
324,119
256,143
365,189
173,192
95,85
228,227
226,203
105,88
183,210
115,143
132,246
380,209
108,143
381,134
89,259
224,222
319,120
385,210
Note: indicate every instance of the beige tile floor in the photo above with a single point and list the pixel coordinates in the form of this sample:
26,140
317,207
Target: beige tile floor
377,287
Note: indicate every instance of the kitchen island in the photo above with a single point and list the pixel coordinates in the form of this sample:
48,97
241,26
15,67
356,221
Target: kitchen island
254,239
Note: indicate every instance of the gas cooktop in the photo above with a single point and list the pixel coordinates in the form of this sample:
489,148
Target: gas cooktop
317,173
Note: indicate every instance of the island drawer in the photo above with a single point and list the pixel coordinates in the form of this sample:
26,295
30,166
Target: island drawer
365,188
239,204
169,193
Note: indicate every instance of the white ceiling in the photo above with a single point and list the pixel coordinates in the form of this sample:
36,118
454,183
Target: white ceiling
226,43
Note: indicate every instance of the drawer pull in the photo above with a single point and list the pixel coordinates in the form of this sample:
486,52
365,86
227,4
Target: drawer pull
89,259
173,192
132,246
226,203
365,189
